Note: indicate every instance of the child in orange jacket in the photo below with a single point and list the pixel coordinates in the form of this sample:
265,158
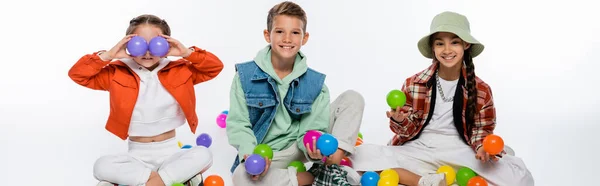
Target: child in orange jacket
150,96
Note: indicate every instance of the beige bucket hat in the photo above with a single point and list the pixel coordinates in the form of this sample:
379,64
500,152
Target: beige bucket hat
454,23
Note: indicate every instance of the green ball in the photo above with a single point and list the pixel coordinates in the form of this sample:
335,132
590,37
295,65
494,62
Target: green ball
396,98
360,135
463,175
178,184
264,150
299,166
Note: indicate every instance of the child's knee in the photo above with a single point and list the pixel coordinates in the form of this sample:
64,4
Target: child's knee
103,166
355,97
201,156
201,152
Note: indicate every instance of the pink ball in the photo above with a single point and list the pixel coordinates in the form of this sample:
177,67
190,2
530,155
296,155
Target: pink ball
221,120
346,162
309,136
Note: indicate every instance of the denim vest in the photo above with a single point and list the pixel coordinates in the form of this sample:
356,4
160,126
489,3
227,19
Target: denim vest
262,97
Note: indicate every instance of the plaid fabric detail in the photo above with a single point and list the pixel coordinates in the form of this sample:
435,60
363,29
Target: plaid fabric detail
418,90
329,175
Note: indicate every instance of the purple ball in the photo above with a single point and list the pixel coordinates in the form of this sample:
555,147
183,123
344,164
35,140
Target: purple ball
158,46
255,164
204,140
137,46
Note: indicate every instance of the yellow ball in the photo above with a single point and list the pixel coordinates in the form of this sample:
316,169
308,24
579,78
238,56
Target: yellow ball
180,144
387,182
450,173
390,175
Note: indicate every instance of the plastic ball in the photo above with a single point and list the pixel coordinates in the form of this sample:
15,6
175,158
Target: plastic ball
264,150
298,165
222,120
346,162
493,144
255,164
204,140
389,174
327,144
449,172
463,175
158,46
137,46
477,181
369,178
214,180
310,136
395,99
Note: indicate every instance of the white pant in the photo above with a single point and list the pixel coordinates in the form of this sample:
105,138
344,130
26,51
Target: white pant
172,163
345,119
430,151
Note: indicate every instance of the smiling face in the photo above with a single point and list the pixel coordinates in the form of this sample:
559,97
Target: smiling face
448,49
286,36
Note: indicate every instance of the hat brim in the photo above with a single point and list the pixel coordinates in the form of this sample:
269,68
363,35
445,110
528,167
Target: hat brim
425,48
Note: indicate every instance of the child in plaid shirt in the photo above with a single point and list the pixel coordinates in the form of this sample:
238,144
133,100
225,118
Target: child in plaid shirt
447,114
276,98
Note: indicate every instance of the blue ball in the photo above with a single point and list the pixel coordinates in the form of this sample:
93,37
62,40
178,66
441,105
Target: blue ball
225,112
369,178
186,147
327,144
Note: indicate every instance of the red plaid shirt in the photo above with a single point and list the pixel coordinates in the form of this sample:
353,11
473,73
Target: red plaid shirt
419,93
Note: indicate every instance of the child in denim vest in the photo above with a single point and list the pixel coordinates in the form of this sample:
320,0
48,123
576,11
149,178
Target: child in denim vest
276,98
150,96
447,114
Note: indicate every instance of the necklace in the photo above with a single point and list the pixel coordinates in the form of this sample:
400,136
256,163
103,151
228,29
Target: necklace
439,86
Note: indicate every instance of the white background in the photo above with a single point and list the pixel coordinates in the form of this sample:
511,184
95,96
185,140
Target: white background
540,60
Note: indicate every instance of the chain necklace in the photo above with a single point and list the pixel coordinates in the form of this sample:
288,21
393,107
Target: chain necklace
439,86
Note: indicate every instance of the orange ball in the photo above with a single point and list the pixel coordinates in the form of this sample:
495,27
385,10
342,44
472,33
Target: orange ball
493,144
358,142
214,180
477,181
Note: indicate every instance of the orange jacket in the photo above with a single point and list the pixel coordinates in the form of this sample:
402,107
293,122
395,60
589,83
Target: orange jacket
178,77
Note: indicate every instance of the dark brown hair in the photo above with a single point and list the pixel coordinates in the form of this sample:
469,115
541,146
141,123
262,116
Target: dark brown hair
151,20
286,8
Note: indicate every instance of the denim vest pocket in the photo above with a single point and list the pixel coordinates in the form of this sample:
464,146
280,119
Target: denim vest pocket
257,106
260,103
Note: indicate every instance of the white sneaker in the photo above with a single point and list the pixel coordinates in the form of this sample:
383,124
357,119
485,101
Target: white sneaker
196,181
352,176
104,183
433,180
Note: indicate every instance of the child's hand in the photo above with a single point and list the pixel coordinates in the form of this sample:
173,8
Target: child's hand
484,156
176,48
335,158
118,51
396,114
267,164
313,152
